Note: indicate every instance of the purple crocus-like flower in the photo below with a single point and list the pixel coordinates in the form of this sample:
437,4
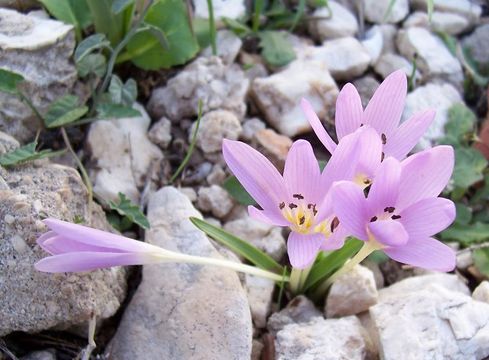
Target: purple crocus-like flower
383,113
402,211
299,199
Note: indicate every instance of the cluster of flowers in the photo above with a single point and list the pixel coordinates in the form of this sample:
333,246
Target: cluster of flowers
368,189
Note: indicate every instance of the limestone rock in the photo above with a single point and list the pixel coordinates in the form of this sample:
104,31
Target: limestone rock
260,293
467,8
452,24
278,96
228,46
274,146
40,50
481,292
208,79
222,8
374,43
388,63
299,310
338,22
251,127
376,10
40,355
160,133
389,33
321,339
352,293
366,87
122,155
477,42
183,311
215,200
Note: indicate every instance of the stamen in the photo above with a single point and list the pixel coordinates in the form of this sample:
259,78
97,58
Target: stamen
292,205
281,205
361,125
298,196
302,219
310,206
382,157
390,209
334,224
367,181
395,217
373,219
384,138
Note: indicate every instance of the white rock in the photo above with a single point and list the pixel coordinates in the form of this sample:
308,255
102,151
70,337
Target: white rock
376,10
432,96
477,42
214,127
320,339
366,87
40,355
260,291
469,9
433,58
345,57
374,43
189,192
208,79
216,200
299,310
464,260
389,33
228,46
452,24
341,22
388,63
264,236
274,146
160,133
183,311
352,293
122,155
250,127
278,96
217,176
481,292
233,9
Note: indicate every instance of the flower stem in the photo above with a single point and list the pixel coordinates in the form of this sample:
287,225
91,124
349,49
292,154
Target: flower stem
298,279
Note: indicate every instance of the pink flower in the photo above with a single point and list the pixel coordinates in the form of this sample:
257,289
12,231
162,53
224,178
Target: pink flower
299,198
383,113
402,211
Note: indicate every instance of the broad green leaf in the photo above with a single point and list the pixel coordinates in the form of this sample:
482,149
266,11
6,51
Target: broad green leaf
201,31
145,49
26,153
63,111
74,12
481,260
461,121
9,81
239,246
120,93
326,265
105,21
90,44
92,64
467,234
464,214
237,191
126,208
276,48
481,194
469,165
116,111
120,5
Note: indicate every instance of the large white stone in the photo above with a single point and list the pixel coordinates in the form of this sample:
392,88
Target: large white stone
228,45
388,63
299,310
260,291
481,292
373,43
339,22
467,8
376,10
433,58
476,44
452,24
233,9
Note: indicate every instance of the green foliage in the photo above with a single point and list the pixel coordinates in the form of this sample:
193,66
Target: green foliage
74,12
95,64
116,111
276,49
26,153
481,260
239,246
467,234
461,122
120,93
90,44
130,211
469,167
237,191
119,5
9,81
64,111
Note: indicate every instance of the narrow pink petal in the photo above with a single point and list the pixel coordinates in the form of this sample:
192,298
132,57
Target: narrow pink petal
385,187
60,244
301,173
86,261
336,240
258,176
267,217
428,217
349,205
384,110
370,145
98,238
349,111
403,140
426,253
302,249
316,125
388,232
425,174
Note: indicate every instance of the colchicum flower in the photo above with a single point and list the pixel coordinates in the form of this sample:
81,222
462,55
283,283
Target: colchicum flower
402,211
383,113
299,199
77,248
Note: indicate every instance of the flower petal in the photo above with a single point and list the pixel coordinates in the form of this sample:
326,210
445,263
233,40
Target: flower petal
316,125
336,240
370,145
388,232
301,173
426,253
349,205
402,141
86,261
384,110
349,111
302,249
425,174
385,188
258,176
267,217
60,244
428,217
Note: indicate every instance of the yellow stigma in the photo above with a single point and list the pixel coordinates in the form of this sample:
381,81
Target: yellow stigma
362,180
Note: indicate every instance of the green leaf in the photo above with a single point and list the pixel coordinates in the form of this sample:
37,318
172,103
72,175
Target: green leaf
461,121
120,5
116,111
145,49
237,191
9,81
469,165
126,208
92,64
64,111
105,21
449,41
481,260
464,214
276,49
74,12
124,94
239,246
326,265
467,234
90,44
26,153
430,6
237,27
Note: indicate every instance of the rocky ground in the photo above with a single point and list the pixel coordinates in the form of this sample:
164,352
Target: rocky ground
191,312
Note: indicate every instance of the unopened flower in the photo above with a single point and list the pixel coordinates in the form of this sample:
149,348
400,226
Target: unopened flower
402,211
383,113
299,199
